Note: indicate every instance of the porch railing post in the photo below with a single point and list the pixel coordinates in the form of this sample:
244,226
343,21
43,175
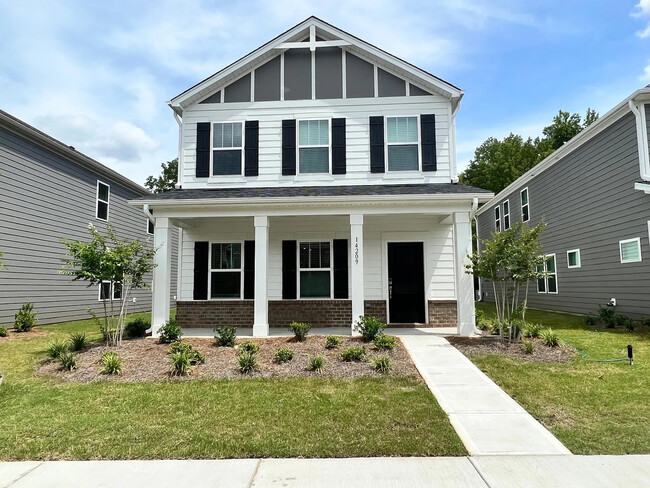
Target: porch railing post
464,281
160,298
261,306
356,263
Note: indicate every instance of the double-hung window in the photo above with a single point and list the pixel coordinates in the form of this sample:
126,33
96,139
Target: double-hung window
525,207
402,140
226,270
314,146
547,283
506,215
110,291
150,227
630,250
103,198
315,270
227,148
573,258
497,219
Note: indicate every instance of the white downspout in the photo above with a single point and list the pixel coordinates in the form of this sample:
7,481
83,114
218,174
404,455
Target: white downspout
642,140
179,121
148,214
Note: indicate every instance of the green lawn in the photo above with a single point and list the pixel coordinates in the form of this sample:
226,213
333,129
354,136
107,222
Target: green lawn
592,407
44,418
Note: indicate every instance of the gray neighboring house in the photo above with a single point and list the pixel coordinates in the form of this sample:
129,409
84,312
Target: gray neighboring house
49,191
594,193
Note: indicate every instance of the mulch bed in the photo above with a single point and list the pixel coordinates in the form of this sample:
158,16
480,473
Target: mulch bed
12,335
484,346
146,360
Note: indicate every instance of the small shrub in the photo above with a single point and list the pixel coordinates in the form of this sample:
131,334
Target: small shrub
25,318
226,336
382,341
247,361
591,320
179,346
300,330
494,327
3,331
333,341
196,357
67,360
620,319
645,322
353,354
316,364
628,324
283,355
180,364
531,330
550,337
170,332
480,319
250,346
610,322
369,327
529,347
382,364
605,312
111,363
78,341
137,328
56,348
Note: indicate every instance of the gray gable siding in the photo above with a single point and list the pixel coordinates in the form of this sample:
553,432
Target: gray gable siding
44,198
589,203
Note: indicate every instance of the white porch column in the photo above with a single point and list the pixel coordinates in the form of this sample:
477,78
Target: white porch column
464,281
356,263
261,321
162,236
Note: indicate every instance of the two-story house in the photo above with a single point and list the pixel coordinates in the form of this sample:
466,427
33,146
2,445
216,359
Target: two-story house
317,183
594,194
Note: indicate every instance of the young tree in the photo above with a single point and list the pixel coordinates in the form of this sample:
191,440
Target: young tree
511,260
109,259
167,179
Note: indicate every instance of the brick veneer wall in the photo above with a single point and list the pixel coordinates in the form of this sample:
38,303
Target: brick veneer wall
319,313
375,308
215,313
442,313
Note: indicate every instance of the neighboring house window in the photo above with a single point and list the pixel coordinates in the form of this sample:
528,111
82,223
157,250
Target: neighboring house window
573,258
541,282
315,270
108,292
630,250
402,141
227,148
117,291
506,215
150,227
226,270
103,197
314,146
497,219
548,284
525,206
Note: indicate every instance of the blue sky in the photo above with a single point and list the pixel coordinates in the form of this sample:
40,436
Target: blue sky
97,75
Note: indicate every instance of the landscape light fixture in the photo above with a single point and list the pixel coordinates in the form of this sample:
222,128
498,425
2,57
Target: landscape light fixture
630,354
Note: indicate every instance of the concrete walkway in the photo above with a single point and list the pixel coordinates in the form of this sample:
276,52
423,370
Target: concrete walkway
488,420
472,472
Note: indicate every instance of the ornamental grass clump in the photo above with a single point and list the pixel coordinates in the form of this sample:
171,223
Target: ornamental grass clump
56,348
225,336
247,362
78,341
300,330
180,364
531,330
316,364
111,363
382,364
550,337
67,360
193,356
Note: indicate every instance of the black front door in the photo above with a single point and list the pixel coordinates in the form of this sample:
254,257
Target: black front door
406,282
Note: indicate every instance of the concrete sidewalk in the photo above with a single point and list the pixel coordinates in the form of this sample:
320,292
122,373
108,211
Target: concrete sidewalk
465,472
487,419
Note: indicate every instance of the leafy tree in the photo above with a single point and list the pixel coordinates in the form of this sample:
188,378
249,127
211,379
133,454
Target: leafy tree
566,126
109,259
167,179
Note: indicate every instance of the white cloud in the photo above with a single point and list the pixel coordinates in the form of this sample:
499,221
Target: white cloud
642,11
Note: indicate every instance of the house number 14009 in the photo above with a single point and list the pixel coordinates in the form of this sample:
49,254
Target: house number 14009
356,250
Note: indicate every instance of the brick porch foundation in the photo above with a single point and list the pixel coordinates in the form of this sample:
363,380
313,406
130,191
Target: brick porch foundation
442,313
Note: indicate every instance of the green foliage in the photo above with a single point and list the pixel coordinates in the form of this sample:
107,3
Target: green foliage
566,126
137,328
382,364
180,364
111,363
606,313
102,325
369,327
591,320
78,341
179,346
25,318
482,322
3,331
283,355
333,341
300,330
531,330
196,357
316,364
247,361
382,341
67,360
250,346
620,319
628,324
550,337
529,347
56,347
353,354
170,332
167,179
226,336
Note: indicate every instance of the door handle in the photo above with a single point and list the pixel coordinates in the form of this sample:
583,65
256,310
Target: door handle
390,288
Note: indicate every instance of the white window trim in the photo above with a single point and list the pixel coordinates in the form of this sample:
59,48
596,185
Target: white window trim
329,146
557,286
506,224
620,249
577,251
240,269
112,293
107,202
497,219
527,205
213,149
418,143
330,269
543,270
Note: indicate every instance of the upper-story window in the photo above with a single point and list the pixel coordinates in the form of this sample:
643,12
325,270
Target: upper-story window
227,148
506,215
103,198
314,146
525,206
497,218
402,142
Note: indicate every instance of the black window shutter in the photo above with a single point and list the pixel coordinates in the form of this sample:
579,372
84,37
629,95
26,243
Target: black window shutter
289,278
428,134
251,148
202,150
340,268
289,147
377,163
338,146
201,260
249,269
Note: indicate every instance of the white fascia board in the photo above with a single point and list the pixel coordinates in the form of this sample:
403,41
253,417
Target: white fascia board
644,187
590,132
